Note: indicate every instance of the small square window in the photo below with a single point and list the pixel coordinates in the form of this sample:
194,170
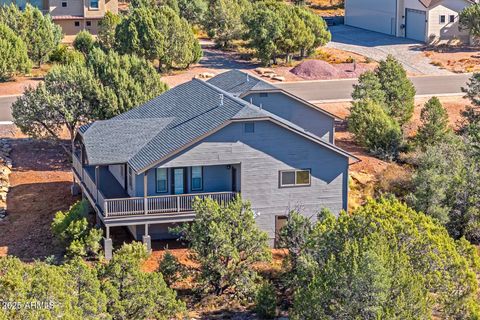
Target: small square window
77,23
89,23
294,178
442,19
263,94
249,127
64,4
452,18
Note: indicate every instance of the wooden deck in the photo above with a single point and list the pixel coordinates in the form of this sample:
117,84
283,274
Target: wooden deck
113,202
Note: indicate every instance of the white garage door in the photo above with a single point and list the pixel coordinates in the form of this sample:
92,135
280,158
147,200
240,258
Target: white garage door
415,25
375,15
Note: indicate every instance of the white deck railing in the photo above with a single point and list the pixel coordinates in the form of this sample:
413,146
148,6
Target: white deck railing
160,204
140,206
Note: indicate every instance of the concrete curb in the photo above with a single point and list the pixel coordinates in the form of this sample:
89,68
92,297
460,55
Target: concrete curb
459,94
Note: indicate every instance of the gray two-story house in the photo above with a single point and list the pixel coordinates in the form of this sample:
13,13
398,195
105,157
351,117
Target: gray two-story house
144,168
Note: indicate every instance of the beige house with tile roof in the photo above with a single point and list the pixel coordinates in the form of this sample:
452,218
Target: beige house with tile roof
72,15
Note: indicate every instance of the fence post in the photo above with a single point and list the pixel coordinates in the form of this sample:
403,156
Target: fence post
178,203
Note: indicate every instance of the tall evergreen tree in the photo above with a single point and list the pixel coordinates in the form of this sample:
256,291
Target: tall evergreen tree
434,128
13,54
106,30
369,87
40,34
126,82
399,90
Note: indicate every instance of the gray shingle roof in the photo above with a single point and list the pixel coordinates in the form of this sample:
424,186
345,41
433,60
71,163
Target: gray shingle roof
238,83
167,123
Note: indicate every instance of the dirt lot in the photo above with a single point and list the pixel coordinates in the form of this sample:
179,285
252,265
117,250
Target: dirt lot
40,186
455,59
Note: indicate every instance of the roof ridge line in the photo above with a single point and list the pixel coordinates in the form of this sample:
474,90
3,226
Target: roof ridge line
225,93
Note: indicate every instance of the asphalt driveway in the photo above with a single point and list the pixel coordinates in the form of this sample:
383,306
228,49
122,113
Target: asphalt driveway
378,45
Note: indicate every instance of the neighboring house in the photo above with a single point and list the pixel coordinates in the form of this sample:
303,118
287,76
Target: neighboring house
143,169
72,15
431,21
277,101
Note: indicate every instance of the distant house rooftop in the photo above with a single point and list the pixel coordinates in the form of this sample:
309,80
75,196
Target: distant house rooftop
239,83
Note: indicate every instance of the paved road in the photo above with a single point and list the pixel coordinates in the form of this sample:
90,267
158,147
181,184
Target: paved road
341,90
5,112
378,45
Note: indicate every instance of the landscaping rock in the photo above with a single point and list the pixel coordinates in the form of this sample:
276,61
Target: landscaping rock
6,165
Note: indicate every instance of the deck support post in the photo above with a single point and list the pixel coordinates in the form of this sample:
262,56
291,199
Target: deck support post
147,240
107,244
108,248
145,193
97,182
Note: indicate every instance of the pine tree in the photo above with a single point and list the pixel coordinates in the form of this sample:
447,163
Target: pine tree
368,87
13,54
399,90
106,30
434,126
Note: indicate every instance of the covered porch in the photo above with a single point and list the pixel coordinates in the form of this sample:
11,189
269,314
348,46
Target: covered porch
109,192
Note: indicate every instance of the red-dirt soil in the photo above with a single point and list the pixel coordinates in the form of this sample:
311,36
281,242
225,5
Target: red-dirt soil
40,186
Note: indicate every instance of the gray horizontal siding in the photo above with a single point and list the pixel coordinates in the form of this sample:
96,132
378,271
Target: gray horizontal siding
261,155
296,112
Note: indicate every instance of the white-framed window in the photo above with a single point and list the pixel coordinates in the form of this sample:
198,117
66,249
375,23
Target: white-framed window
130,178
452,18
442,19
295,178
161,178
197,178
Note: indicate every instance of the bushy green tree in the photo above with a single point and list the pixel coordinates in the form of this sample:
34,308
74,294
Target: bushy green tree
126,82
40,34
470,19
317,27
226,242
83,42
134,294
158,33
193,11
385,261
275,28
138,34
266,301
106,30
368,87
399,90
72,228
471,113
224,21
70,291
264,29
64,55
181,46
171,269
447,186
76,290
13,54
374,129
434,128
68,98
